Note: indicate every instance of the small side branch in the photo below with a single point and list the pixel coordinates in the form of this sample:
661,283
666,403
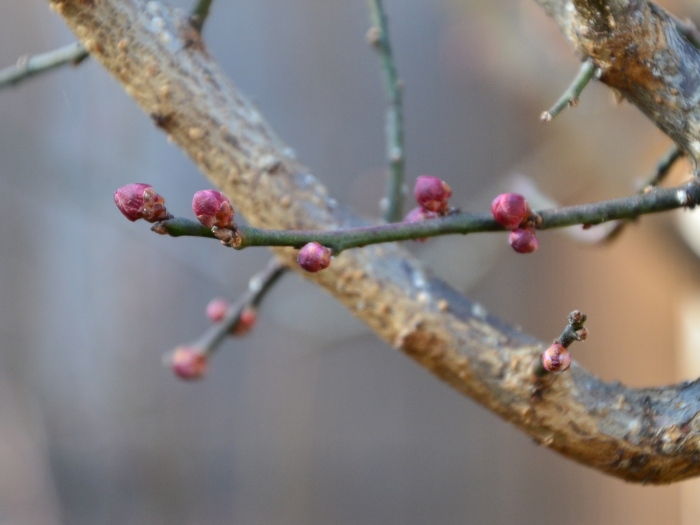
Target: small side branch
258,286
378,37
663,167
573,92
27,67
200,12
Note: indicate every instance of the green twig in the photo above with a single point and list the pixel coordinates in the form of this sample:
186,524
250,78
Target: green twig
378,37
27,67
199,15
258,286
657,200
663,167
573,92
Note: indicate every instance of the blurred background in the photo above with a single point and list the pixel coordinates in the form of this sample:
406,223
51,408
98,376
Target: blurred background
310,419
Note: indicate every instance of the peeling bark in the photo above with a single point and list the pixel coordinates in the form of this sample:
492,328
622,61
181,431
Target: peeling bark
645,435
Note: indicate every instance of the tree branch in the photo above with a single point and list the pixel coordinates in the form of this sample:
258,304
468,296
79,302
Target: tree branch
650,435
643,54
659,200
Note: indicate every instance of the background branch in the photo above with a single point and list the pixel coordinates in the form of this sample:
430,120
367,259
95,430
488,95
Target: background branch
649,435
378,37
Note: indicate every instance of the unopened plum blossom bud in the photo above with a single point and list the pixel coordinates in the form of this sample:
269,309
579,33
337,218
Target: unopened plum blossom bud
419,215
140,201
213,208
245,322
510,210
523,240
556,358
432,193
313,257
216,309
189,363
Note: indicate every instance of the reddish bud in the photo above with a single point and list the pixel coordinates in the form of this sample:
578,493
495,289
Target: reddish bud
313,257
420,215
556,358
216,310
432,193
140,201
510,210
245,322
523,240
212,208
189,363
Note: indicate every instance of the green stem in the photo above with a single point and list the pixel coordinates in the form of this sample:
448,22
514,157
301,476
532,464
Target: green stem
658,200
27,67
200,12
663,167
573,92
258,287
379,38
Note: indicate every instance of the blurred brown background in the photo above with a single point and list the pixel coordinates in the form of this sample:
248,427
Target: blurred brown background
310,419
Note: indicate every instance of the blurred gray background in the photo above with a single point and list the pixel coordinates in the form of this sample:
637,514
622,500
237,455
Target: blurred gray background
310,419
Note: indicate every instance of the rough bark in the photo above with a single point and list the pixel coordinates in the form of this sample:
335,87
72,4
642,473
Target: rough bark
643,55
648,435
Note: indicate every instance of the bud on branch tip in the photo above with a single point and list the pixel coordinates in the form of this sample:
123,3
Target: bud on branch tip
140,201
189,363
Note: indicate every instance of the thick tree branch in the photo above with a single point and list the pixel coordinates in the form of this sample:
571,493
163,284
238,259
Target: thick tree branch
650,435
642,53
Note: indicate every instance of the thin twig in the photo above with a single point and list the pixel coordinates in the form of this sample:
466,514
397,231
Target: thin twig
200,12
657,200
378,37
258,286
27,67
663,167
570,97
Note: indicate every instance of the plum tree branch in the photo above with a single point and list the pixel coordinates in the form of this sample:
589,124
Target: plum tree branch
659,200
650,435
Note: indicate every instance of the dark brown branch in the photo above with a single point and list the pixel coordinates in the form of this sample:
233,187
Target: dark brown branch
646,435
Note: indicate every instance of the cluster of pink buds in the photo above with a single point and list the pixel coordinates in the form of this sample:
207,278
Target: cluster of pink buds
432,195
140,201
213,209
512,211
314,257
217,309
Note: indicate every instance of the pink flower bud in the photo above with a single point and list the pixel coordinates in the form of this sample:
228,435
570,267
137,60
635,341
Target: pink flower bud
420,215
556,358
432,193
245,322
216,309
140,201
213,208
523,240
189,363
510,210
313,257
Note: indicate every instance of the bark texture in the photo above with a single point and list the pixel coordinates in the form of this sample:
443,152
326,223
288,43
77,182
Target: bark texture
647,435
